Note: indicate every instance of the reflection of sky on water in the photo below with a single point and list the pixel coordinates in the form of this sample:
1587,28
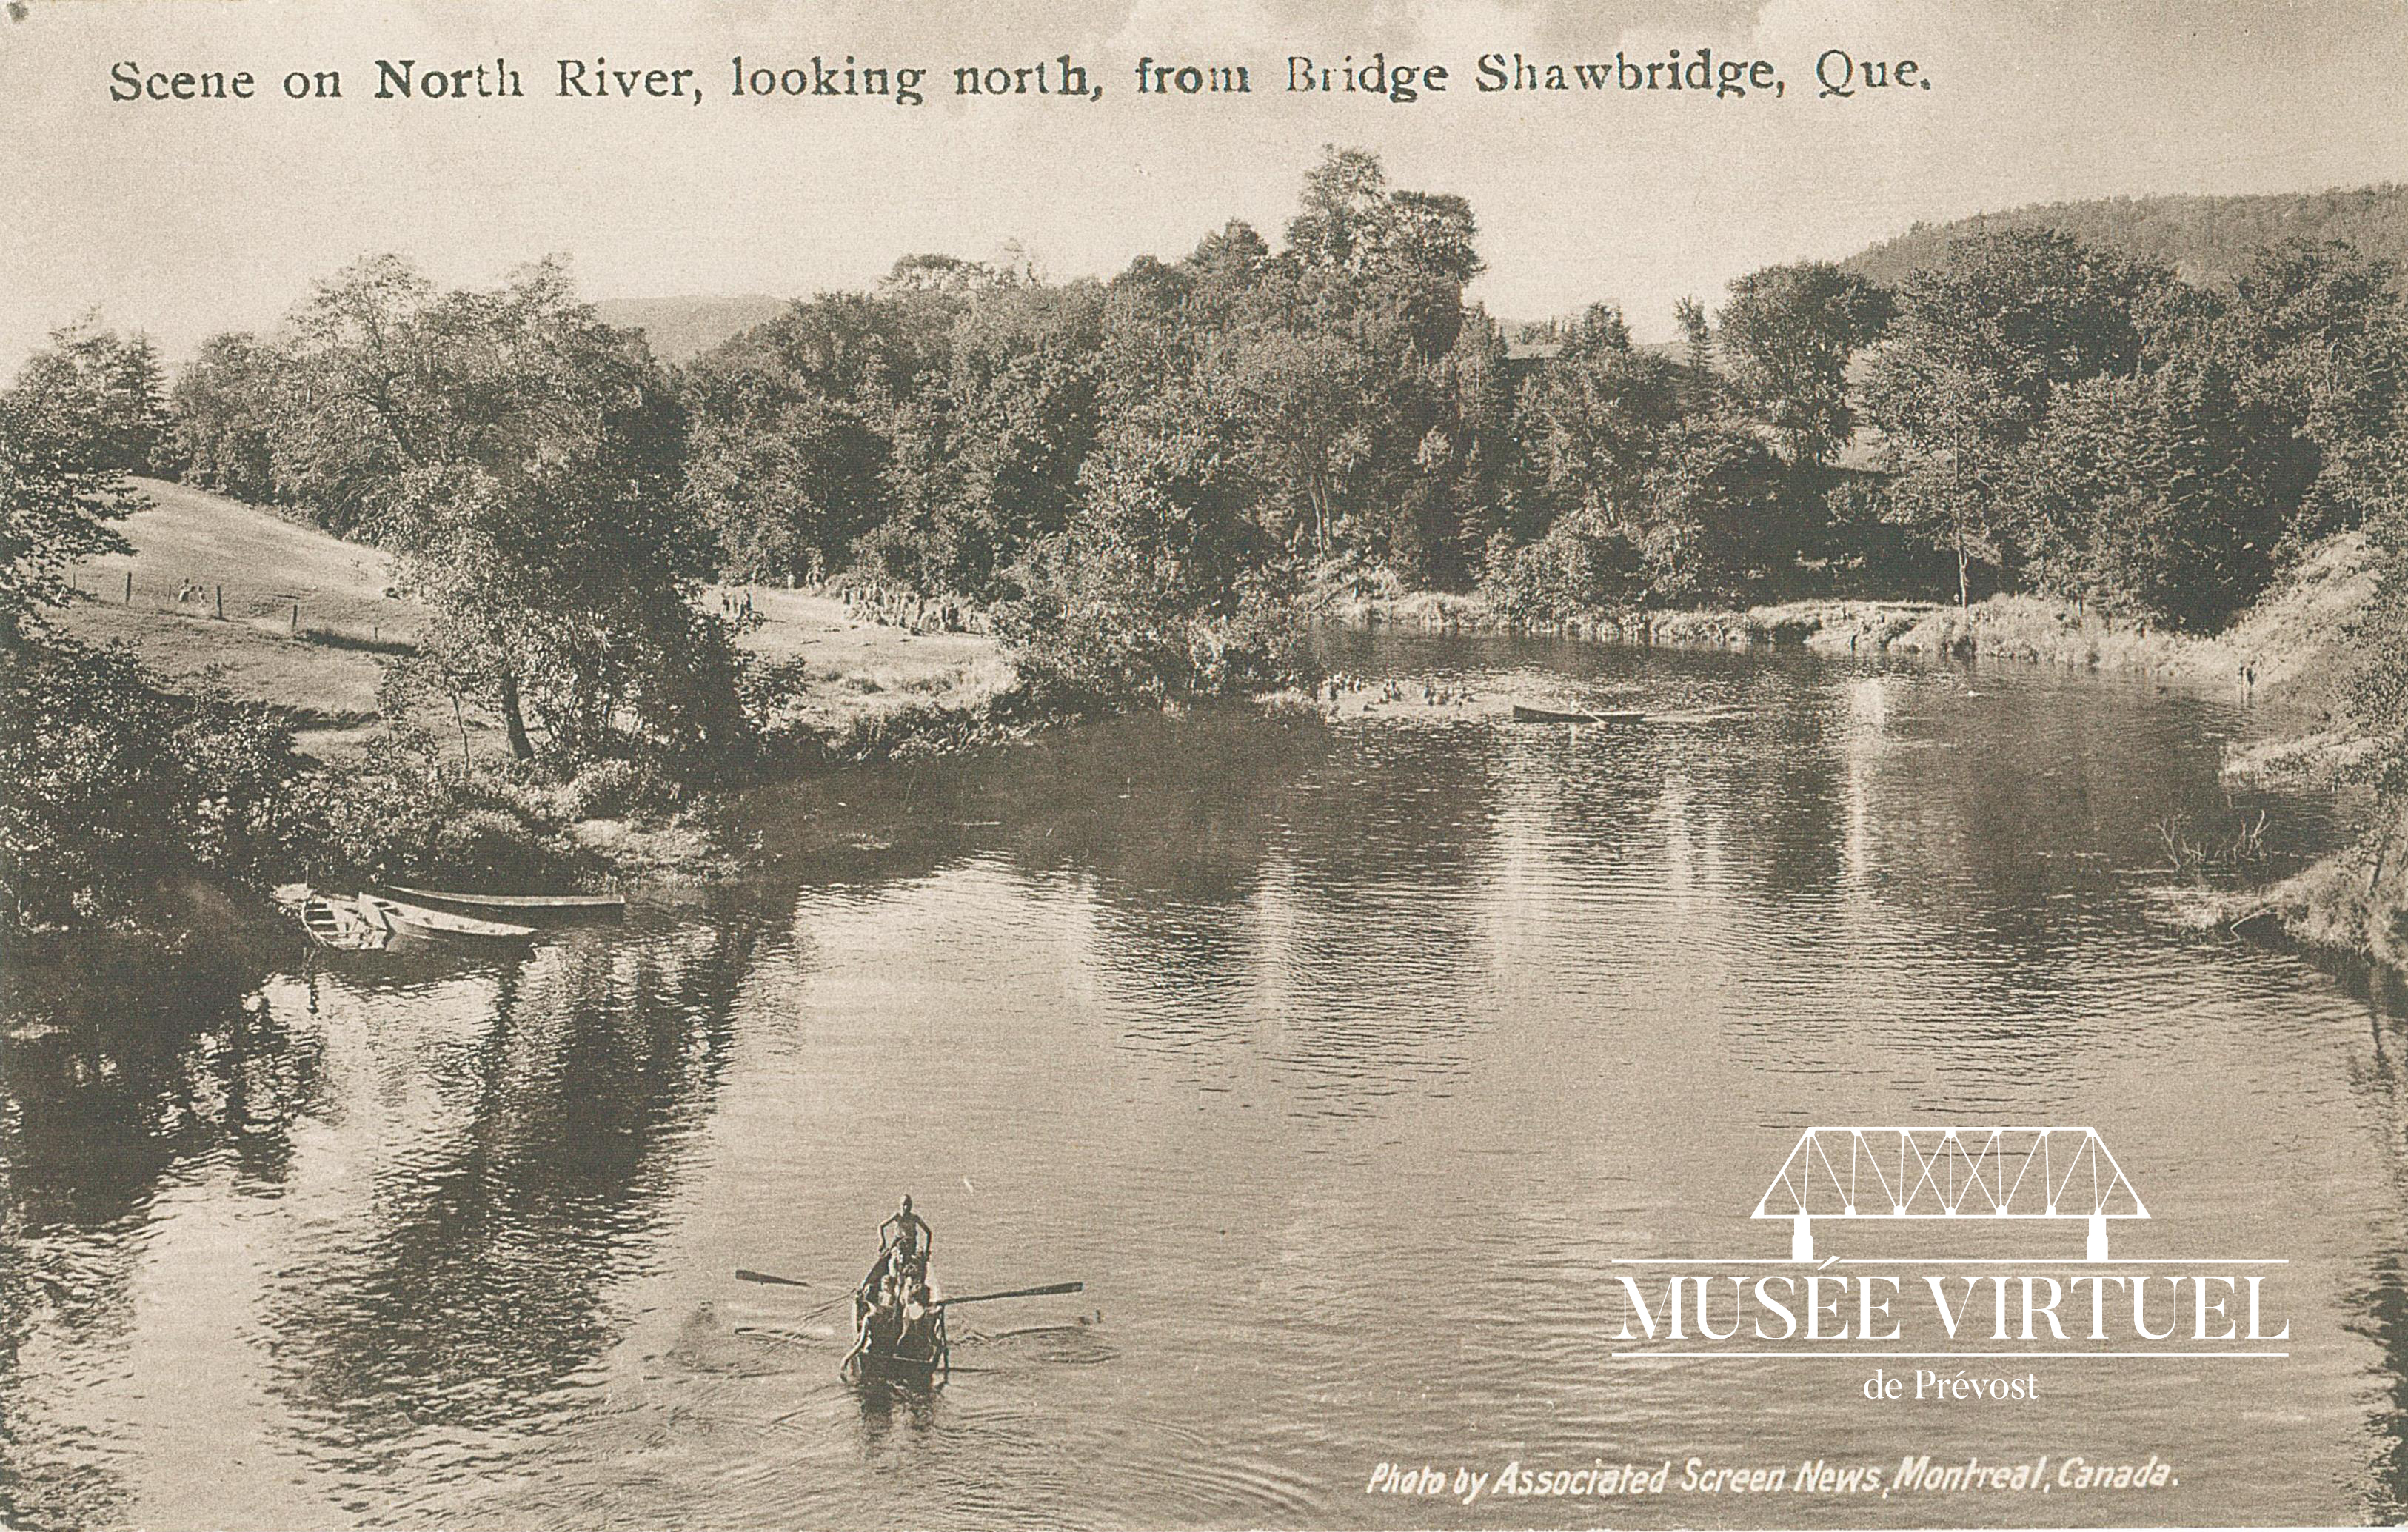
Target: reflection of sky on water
1339,1060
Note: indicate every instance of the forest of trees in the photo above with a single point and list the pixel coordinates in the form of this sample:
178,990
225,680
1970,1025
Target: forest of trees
1185,447
1142,480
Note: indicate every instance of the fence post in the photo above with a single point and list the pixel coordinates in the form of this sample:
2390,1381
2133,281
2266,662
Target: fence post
296,617
129,587
221,603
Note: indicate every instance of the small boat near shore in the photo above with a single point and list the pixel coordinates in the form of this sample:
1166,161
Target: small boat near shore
341,924
419,922
538,908
1523,714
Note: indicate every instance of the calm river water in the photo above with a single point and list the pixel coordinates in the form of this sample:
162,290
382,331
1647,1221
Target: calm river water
1338,1061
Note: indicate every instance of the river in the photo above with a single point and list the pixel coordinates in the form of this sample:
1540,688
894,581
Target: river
1339,1060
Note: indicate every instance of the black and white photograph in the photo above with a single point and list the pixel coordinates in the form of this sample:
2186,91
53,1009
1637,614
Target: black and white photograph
1297,764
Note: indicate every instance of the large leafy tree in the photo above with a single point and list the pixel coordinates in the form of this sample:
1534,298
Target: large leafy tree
524,461
226,403
792,429
2317,334
64,449
107,391
2162,495
1340,363
988,451
1965,379
1163,584
1594,419
1788,335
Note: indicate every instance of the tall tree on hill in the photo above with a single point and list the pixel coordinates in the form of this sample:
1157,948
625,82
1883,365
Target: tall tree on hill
1698,354
107,391
2161,494
225,405
2318,335
1594,419
988,451
1335,360
1788,333
523,462
792,428
1966,376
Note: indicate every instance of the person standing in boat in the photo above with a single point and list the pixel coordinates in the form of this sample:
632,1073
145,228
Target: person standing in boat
909,1234
904,1243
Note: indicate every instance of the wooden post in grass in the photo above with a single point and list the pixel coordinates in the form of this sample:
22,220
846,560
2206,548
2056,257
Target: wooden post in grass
221,603
129,587
296,617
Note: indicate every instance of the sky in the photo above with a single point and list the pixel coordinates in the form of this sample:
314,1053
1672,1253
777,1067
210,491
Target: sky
185,218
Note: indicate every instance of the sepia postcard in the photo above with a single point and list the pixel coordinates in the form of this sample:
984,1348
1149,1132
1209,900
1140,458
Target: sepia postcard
1113,764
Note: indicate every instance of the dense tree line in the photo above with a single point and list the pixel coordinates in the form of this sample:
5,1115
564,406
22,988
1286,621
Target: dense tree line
2026,412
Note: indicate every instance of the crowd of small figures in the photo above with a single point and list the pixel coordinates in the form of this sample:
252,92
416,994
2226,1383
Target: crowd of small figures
906,610
1339,690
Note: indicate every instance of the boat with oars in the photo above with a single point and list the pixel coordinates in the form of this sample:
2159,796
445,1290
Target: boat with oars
901,1339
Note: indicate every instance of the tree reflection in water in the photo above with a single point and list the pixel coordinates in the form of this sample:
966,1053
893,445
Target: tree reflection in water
507,1203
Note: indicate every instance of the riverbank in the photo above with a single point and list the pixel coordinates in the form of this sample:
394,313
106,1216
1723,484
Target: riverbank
2289,650
231,599
2284,644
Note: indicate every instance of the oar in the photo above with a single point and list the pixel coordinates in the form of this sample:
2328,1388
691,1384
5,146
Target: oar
769,1277
1016,1293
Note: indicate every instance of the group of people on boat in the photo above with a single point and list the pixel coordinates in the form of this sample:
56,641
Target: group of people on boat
895,1309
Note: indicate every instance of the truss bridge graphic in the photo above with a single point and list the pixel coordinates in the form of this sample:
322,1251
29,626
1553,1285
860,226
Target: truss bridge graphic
2063,1173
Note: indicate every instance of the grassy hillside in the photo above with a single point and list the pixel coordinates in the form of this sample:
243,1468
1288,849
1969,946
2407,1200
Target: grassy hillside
193,551
2201,238
193,548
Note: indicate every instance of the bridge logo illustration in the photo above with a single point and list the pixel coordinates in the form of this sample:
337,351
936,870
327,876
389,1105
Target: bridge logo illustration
2048,1298
1963,1173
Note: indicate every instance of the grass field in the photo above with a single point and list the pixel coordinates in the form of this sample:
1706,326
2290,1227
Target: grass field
277,613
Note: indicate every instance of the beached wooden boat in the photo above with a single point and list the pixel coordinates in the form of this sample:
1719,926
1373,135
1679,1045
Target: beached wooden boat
415,920
535,908
342,925
1549,715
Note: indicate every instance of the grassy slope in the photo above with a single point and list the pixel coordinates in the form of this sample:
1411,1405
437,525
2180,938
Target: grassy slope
203,544
326,671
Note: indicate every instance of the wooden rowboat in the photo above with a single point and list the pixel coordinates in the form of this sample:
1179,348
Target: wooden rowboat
414,920
904,1356
1549,715
342,925
541,908
892,1367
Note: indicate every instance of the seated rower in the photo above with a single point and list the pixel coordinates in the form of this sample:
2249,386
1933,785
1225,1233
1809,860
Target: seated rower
918,1338
881,1322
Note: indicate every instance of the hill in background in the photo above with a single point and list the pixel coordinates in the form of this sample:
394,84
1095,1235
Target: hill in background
681,329
2201,238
